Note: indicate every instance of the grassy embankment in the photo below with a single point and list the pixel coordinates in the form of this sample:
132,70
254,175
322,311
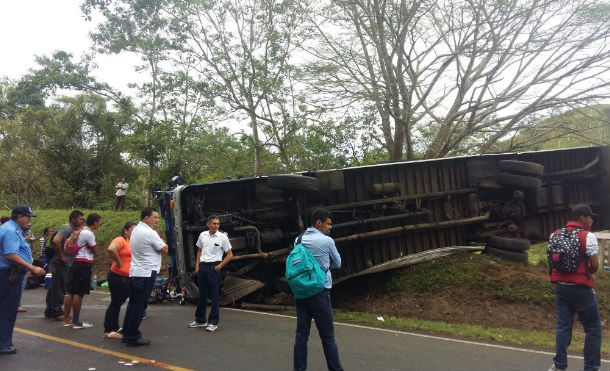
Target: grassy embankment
513,285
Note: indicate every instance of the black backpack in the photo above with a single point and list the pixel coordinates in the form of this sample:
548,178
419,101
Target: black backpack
49,251
563,250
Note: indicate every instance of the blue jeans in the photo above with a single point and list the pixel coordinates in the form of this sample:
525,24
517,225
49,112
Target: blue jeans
581,300
140,287
10,295
209,284
24,283
320,309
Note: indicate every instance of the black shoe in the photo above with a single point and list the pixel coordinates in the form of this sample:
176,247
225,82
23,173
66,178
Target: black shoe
9,350
138,343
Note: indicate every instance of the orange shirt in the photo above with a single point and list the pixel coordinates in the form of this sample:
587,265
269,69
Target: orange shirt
124,255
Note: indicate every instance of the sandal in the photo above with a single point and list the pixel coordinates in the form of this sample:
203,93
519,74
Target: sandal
21,309
112,335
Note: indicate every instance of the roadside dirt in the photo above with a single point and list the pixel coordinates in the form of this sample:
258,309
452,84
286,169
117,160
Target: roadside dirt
454,303
457,304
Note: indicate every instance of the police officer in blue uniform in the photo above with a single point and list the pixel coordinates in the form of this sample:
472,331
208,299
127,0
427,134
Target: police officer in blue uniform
15,261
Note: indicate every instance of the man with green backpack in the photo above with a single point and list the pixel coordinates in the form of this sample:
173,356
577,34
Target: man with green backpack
312,299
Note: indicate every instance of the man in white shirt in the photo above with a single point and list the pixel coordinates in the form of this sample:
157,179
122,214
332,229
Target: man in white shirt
212,245
146,250
121,191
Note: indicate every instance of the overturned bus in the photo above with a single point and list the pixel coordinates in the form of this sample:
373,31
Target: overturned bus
387,215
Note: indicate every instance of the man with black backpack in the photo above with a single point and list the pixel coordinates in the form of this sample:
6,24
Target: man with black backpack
56,295
572,255
318,306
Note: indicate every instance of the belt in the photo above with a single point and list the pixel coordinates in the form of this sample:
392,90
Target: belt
210,263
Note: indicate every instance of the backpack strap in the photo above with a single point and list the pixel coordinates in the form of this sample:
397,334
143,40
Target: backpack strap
298,241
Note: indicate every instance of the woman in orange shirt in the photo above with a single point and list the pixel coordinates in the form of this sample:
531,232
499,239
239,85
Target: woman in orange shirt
118,280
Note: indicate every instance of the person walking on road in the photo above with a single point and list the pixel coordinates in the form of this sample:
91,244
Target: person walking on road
60,263
80,272
15,260
146,250
121,191
212,246
318,307
118,280
574,293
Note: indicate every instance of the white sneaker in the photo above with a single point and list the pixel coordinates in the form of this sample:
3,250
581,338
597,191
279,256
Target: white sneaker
211,328
553,368
82,325
196,324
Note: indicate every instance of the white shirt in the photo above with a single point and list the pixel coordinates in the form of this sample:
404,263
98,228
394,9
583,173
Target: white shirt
86,240
213,246
122,192
145,246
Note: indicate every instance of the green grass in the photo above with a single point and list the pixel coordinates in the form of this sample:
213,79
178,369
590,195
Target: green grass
422,278
471,270
537,255
508,335
478,271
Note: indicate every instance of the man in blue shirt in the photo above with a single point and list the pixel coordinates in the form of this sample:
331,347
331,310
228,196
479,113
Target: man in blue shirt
318,307
15,261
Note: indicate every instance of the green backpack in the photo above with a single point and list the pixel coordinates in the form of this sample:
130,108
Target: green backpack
303,272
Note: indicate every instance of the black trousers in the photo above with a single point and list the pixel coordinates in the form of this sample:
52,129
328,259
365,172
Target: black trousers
119,292
10,294
58,288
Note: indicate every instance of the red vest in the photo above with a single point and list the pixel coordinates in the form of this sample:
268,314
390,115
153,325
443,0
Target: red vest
580,277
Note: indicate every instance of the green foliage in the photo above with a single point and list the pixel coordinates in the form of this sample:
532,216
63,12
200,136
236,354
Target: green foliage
578,127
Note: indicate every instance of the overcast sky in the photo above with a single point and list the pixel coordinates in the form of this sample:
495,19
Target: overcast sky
39,27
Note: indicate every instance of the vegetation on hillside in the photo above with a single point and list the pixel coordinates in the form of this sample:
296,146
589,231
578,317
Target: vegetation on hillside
579,127
473,295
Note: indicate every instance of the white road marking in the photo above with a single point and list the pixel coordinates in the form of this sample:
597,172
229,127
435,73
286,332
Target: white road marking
435,337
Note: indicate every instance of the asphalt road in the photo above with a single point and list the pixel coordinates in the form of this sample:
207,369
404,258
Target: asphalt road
245,340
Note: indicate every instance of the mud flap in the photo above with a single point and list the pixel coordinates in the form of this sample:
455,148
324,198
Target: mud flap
234,288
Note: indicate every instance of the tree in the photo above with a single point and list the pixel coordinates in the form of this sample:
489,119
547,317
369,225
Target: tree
59,152
244,50
171,101
441,73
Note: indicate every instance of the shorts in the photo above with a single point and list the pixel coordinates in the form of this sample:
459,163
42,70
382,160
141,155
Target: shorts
80,278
